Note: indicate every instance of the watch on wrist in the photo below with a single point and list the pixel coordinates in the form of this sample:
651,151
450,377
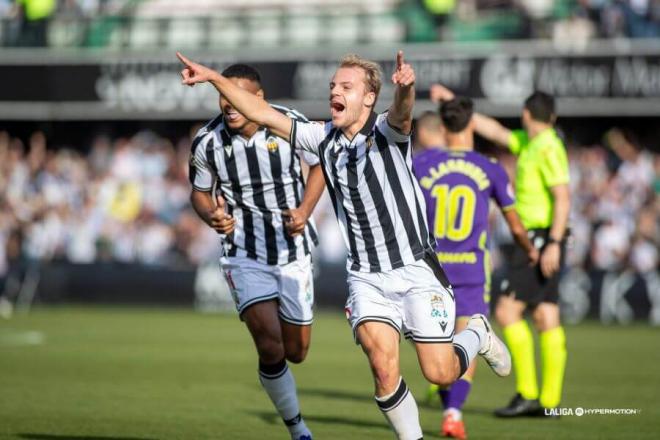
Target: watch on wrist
552,240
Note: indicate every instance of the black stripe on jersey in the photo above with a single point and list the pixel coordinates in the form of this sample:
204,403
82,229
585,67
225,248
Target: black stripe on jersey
192,169
280,194
292,173
210,157
360,211
312,234
248,221
259,201
214,123
334,189
403,146
389,233
421,218
393,179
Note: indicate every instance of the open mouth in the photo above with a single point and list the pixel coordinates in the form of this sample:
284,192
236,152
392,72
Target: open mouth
232,116
336,108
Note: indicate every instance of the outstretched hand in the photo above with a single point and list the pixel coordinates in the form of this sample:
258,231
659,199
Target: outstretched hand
404,75
194,73
440,93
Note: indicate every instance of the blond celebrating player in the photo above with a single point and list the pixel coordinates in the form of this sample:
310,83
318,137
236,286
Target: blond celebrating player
396,286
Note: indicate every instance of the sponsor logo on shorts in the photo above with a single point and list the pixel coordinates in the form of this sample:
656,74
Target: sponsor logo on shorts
438,307
438,311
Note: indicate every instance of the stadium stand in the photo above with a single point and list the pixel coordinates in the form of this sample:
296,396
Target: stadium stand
229,23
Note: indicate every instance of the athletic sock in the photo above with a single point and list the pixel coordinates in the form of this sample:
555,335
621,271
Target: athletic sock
400,410
280,386
467,345
444,396
458,394
518,337
553,363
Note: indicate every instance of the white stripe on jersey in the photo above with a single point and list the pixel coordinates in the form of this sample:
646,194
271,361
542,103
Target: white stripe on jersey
258,178
378,202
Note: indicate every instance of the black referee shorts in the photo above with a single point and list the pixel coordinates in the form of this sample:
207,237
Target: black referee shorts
527,284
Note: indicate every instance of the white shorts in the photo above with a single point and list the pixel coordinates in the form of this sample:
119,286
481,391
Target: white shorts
411,299
251,282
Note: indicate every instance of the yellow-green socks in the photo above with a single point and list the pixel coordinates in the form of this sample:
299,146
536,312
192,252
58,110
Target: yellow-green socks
553,363
519,339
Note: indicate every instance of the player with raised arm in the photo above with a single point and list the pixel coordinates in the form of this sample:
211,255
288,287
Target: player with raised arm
396,285
543,203
267,238
458,184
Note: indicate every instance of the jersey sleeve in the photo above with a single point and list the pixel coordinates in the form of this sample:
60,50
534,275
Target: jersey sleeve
502,189
390,132
310,159
306,136
199,171
517,140
553,165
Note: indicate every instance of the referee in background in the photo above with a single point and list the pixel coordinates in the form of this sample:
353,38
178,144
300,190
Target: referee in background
543,203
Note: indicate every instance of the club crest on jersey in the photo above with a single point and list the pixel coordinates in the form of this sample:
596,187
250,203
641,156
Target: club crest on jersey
228,149
271,144
370,142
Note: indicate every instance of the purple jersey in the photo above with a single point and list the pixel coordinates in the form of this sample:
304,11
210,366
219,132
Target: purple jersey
457,186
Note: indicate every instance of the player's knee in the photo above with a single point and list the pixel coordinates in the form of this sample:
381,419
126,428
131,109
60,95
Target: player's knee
505,314
440,376
546,317
270,349
296,352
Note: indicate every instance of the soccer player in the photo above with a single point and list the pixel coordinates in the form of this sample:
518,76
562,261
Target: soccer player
428,133
543,203
458,184
396,284
267,237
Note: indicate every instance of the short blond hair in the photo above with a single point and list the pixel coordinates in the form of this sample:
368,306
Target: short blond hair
372,72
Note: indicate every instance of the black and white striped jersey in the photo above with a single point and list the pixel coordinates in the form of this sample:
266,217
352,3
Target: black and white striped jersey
258,178
378,202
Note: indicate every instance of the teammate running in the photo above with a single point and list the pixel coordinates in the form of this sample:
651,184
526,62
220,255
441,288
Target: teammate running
396,284
458,184
267,236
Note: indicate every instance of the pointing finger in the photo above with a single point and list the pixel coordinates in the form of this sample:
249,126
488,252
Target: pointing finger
183,59
399,59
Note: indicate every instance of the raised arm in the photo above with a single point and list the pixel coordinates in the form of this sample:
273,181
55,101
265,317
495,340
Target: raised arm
251,106
489,128
485,126
400,113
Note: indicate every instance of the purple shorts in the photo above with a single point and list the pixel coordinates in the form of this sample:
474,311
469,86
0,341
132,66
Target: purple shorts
471,299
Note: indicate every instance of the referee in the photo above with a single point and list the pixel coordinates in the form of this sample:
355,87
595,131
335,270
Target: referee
543,202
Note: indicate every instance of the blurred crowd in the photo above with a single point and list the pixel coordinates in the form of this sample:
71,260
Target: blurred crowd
125,200
90,22
562,21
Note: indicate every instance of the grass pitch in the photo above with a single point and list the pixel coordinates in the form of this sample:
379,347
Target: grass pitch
142,374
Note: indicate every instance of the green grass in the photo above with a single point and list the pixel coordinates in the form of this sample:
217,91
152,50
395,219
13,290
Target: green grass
171,374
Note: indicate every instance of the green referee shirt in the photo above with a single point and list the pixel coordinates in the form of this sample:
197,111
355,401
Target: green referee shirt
542,164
